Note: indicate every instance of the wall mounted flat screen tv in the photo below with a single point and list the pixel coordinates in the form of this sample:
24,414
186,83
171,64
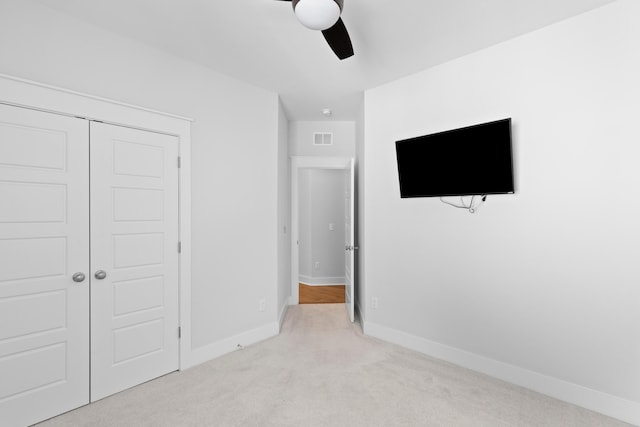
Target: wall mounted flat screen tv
474,160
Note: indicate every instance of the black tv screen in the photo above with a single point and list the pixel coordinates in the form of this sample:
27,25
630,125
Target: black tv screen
474,160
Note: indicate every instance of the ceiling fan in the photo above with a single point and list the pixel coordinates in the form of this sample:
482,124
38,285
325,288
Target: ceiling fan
324,15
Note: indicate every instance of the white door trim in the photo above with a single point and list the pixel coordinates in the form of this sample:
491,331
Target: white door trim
85,95
25,93
298,163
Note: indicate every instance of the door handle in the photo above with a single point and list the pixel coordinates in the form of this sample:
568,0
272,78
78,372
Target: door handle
100,274
78,277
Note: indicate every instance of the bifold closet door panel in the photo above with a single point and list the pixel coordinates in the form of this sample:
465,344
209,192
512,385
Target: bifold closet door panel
134,257
44,241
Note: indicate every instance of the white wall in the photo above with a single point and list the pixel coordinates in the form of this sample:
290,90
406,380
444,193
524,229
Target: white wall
545,281
328,188
301,139
359,285
321,203
284,214
234,149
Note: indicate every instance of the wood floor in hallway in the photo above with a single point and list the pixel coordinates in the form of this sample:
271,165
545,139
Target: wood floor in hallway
321,294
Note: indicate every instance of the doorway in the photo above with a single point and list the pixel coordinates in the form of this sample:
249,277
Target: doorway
321,235
322,247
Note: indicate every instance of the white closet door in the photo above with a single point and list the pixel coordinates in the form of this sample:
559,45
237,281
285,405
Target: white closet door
349,240
44,240
134,241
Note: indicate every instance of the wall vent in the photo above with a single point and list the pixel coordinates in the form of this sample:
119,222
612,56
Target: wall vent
322,138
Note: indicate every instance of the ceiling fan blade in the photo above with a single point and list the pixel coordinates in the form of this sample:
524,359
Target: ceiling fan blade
339,40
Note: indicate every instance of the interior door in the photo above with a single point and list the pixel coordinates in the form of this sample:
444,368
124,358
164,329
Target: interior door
134,257
349,231
44,242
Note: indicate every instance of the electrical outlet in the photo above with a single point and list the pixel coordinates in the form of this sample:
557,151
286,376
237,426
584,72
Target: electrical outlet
316,266
262,305
374,303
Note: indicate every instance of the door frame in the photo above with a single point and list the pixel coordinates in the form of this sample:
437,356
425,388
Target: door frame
42,97
297,164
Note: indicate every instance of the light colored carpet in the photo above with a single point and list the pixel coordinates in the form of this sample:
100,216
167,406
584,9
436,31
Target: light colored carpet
322,371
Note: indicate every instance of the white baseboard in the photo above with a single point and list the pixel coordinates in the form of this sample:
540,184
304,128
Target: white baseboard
227,345
607,404
321,281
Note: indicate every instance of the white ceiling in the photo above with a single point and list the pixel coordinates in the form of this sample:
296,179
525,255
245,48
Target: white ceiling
262,43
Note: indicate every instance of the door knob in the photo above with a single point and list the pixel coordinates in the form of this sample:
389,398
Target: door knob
100,274
78,277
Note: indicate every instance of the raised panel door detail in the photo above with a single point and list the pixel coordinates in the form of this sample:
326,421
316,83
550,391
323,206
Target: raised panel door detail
47,367
136,159
138,204
32,147
131,296
18,314
137,250
33,258
138,340
26,202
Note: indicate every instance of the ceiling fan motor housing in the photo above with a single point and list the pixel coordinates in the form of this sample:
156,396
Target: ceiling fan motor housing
339,2
318,14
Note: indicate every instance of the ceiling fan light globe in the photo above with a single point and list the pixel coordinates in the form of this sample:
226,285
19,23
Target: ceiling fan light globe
317,14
